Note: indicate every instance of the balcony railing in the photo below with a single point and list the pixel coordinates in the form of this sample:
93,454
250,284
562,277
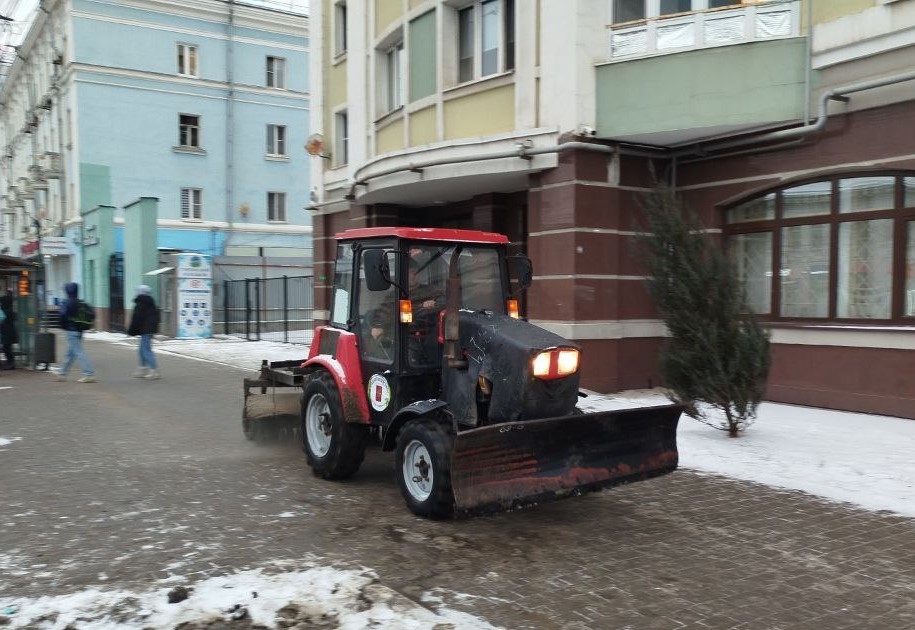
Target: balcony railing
705,29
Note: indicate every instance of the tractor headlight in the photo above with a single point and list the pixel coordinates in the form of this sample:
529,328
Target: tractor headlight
567,362
555,363
541,365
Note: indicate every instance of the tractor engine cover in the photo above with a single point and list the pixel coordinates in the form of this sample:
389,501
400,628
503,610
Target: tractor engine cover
501,350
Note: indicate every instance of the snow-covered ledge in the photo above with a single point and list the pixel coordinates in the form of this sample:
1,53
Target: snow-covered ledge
845,335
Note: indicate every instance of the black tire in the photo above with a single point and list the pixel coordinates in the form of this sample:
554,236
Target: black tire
334,448
426,482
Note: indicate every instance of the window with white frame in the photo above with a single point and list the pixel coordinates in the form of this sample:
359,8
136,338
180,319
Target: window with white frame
394,74
341,138
276,139
485,39
339,28
276,206
276,72
187,60
191,203
189,130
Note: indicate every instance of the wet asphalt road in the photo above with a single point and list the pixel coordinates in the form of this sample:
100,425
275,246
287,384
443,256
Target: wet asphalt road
125,482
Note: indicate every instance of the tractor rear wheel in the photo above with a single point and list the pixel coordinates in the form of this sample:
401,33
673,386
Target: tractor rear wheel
423,463
334,448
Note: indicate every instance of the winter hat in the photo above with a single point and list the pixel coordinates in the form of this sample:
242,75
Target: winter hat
143,289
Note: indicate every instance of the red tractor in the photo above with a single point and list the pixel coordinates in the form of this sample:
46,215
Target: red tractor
426,354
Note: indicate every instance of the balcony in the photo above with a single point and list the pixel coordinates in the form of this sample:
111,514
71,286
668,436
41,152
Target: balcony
704,29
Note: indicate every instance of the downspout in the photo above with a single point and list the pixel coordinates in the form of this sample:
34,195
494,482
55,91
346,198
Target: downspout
230,125
523,152
808,67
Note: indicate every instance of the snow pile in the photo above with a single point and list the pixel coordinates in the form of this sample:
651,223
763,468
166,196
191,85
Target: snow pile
320,597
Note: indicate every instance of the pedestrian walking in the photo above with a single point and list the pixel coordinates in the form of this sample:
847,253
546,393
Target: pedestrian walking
145,323
74,314
9,335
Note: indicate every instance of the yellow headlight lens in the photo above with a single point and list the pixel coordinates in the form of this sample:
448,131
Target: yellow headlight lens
541,364
568,362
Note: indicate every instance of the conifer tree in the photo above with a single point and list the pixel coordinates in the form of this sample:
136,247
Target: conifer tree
717,354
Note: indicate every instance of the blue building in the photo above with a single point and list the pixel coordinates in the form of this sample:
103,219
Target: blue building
200,105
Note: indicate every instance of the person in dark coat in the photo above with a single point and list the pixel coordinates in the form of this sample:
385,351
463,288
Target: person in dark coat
75,352
8,333
145,323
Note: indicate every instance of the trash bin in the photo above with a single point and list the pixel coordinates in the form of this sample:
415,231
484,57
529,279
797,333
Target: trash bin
45,350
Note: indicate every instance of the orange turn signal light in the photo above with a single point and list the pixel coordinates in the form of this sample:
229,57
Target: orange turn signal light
512,307
406,312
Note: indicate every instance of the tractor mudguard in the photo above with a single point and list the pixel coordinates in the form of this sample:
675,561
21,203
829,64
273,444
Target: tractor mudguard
511,464
413,410
342,362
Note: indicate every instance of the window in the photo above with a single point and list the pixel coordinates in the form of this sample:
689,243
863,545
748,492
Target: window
343,277
191,203
485,39
339,28
629,10
394,68
839,246
276,206
341,138
276,72
276,139
187,60
189,130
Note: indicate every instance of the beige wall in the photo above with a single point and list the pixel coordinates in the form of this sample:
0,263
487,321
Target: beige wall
386,13
390,138
423,127
492,111
828,11
416,3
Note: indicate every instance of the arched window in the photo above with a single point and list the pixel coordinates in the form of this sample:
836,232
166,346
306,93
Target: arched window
837,248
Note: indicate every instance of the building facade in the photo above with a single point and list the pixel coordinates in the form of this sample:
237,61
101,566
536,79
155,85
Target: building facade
785,125
201,106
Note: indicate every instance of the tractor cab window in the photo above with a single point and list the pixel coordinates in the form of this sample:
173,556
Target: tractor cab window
480,281
377,312
343,275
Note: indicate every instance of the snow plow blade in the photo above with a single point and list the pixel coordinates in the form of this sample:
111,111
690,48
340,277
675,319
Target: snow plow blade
512,464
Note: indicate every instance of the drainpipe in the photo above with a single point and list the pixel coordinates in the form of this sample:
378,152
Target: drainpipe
230,125
523,151
809,62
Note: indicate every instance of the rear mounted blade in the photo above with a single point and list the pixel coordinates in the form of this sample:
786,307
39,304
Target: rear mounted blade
516,463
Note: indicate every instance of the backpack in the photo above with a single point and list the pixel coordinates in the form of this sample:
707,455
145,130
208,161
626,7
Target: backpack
83,316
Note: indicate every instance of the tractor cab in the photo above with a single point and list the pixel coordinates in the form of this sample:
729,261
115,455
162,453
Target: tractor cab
391,291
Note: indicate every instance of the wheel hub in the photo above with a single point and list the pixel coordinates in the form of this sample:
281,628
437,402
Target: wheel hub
417,472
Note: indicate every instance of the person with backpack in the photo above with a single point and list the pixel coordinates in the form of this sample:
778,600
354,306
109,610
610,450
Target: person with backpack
76,316
8,333
145,323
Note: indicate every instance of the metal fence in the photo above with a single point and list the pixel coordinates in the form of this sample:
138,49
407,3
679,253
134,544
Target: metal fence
268,309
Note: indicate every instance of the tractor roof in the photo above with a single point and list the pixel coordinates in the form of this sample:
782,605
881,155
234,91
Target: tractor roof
423,234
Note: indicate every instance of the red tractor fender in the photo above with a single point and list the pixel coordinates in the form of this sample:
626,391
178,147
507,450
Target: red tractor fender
341,361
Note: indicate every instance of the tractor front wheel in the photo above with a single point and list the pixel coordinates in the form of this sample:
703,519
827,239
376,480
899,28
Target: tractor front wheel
334,448
423,462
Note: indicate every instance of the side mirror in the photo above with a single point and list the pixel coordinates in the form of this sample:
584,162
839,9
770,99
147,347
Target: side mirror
377,270
522,269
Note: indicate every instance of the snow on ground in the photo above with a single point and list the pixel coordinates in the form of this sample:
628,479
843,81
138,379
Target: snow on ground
316,597
861,459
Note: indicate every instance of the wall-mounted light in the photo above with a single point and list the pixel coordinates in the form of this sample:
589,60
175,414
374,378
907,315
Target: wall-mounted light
244,208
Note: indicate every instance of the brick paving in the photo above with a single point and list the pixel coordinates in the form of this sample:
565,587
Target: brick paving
125,482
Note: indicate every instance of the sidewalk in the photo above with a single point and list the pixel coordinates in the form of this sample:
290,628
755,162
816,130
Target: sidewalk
862,459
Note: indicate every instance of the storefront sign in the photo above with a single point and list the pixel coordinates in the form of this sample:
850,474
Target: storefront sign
54,246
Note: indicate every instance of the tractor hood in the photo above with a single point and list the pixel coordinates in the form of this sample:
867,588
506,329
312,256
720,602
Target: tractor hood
501,349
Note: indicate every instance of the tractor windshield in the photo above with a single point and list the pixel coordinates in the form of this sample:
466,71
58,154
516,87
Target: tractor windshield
478,269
